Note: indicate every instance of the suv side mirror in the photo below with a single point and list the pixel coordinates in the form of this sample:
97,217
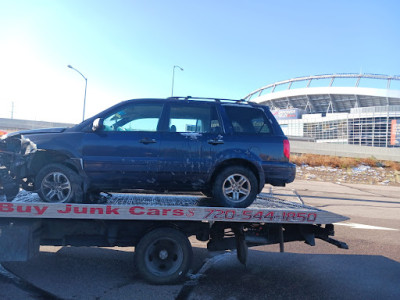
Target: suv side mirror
97,124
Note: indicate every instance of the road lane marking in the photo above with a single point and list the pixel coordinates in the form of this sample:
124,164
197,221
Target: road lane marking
363,226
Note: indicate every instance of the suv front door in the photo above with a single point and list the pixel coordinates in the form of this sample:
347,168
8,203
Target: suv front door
124,153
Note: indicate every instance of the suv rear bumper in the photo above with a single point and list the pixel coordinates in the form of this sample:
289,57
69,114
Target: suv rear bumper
279,173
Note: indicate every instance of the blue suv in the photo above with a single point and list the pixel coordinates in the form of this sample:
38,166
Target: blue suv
226,149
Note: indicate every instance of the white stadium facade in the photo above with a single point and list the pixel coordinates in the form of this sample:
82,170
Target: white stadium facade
354,109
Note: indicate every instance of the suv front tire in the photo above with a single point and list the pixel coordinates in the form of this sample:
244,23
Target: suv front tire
58,184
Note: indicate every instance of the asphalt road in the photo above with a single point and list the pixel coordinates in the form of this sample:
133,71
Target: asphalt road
370,269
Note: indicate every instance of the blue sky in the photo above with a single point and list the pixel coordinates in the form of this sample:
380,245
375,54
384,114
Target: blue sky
127,49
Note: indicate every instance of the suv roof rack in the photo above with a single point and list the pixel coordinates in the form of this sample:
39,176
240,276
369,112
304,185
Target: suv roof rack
205,98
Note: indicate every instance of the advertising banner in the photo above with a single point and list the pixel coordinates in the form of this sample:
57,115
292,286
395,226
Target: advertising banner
286,214
287,114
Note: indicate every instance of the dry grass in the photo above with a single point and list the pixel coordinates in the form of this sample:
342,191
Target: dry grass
315,160
393,165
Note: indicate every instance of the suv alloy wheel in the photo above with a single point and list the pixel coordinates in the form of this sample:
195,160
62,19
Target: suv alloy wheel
235,187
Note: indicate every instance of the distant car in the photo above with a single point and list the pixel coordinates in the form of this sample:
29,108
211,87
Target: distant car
227,149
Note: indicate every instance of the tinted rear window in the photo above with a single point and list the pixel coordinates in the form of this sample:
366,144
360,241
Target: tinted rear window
248,120
193,118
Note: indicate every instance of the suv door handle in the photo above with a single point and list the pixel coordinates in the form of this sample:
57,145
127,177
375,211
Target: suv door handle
215,142
147,141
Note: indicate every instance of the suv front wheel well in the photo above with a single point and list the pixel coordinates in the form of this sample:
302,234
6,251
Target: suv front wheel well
43,158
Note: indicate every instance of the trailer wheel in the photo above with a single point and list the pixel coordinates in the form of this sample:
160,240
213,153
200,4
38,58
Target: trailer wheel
163,256
235,187
58,184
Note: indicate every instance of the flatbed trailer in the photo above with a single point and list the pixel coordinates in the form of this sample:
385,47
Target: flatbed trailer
159,226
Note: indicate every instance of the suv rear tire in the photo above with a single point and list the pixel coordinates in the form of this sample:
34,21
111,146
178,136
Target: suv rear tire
58,184
235,187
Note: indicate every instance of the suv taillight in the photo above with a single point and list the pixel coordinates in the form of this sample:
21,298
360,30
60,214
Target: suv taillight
286,148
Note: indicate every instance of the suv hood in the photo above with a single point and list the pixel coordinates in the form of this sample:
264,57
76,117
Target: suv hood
35,131
19,142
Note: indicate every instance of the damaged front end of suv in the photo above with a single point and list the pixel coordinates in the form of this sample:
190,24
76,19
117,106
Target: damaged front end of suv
15,153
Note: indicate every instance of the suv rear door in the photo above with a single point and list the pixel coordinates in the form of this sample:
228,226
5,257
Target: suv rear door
189,144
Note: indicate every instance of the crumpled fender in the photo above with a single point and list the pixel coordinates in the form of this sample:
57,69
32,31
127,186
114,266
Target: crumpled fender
14,152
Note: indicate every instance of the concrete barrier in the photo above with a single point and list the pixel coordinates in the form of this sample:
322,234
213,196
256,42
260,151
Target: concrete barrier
10,125
345,150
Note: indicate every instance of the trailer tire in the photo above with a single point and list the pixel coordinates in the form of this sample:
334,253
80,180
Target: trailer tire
235,187
57,183
163,256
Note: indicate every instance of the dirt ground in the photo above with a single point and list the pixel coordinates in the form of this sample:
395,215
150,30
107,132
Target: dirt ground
361,174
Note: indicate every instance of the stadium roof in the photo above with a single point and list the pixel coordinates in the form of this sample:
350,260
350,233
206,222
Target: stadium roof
329,93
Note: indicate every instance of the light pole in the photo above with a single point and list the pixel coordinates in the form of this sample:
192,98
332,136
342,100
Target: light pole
84,98
173,76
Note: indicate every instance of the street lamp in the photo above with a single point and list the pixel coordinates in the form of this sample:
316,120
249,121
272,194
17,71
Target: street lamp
173,75
84,98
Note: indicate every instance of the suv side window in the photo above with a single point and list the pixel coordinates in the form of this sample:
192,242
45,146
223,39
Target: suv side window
134,117
193,118
248,120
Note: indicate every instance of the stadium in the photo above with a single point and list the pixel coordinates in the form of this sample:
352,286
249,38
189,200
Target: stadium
353,109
